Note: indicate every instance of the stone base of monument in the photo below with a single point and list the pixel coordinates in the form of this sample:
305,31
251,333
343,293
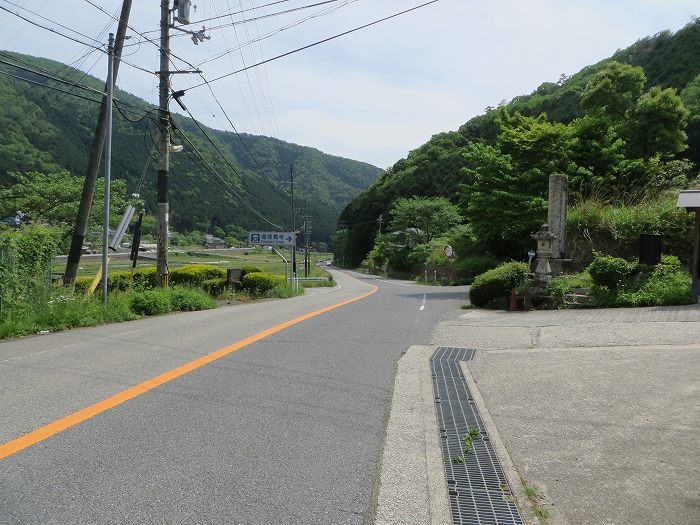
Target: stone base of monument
557,266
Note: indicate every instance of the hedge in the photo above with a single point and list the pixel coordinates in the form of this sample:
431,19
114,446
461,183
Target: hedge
260,282
498,282
195,274
250,269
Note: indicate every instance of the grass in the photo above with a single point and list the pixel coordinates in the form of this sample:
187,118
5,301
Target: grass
59,308
536,499
268,261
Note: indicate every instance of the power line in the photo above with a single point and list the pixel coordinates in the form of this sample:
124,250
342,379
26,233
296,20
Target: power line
297,50
277,31
226,183
50,76
37,24
230,165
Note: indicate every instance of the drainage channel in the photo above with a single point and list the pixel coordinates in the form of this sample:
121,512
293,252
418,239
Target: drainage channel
478,490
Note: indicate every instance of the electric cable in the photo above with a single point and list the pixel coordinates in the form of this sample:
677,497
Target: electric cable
297,50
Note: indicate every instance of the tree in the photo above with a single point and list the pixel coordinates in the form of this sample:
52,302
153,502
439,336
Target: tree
614,91
656,124
53,199
424,218
691,99
504,206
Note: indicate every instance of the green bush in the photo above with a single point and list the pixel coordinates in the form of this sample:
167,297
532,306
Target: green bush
609,272
665,284
498,282
215,287
190,299
144,279
81,284
118,281
250,269
151,302
562,285
473,265
195,274
259,283
615,230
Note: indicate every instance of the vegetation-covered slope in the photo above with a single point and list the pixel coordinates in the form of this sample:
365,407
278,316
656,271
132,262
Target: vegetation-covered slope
45,130
570,137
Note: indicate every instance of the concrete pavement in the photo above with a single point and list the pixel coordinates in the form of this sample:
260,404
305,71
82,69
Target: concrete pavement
598,409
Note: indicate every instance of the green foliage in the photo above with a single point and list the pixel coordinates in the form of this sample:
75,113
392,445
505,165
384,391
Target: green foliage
610,271
593,226
151,302
504,206
420,219
25,264
614,91
498,282
195,274
53,198
665,284
82,283
260,283
215,287
562,285
45,131
250,269
144,279
118,281
656,124
619,146
473,265
190,299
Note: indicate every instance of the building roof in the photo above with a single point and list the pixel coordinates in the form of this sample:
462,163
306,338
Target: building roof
688,199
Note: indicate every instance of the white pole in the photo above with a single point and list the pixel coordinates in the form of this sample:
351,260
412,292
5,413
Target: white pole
108,167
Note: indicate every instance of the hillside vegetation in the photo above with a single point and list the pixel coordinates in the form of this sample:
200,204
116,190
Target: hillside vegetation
46,131
625,130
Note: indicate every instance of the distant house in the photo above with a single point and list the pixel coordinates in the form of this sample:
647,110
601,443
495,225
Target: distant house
15,220
213,242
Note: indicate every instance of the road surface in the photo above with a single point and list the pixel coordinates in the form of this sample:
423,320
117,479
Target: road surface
285,427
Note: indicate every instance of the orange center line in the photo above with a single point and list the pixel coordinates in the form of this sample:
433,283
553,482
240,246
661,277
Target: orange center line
40,434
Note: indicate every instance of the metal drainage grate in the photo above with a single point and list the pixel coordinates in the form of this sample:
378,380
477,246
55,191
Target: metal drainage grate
478,489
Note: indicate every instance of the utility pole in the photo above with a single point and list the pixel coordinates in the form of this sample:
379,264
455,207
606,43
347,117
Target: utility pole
294,224
380,221
108,167
164,146
307,238
76,247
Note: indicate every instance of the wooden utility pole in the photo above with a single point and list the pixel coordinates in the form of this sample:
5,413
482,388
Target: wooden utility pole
81,222
164,146
108,170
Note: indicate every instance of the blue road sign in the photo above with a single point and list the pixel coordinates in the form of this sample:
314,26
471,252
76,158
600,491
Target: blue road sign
272,238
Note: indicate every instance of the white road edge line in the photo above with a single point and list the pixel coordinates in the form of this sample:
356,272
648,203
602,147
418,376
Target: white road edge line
422,306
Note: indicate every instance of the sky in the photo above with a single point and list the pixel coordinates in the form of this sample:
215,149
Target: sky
373,95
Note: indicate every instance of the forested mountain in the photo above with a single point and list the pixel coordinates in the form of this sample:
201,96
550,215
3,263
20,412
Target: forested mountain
46,130
610,149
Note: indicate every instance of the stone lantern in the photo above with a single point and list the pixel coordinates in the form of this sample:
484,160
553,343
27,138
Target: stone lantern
543,270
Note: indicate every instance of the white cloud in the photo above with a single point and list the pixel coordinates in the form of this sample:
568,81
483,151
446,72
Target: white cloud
380,92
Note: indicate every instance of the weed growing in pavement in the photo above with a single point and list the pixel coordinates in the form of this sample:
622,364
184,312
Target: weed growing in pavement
535,497
468,441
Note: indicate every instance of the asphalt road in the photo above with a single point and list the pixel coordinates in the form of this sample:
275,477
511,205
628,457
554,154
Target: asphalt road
287,429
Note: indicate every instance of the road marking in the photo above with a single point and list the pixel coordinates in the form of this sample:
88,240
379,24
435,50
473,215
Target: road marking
40,434
369,277
422,307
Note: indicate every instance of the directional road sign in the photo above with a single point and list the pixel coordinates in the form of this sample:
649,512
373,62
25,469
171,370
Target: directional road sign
272,238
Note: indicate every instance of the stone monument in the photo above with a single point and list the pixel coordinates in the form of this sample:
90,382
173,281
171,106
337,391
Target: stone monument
556,219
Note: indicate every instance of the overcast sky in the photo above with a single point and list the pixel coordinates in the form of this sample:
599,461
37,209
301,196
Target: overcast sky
373,95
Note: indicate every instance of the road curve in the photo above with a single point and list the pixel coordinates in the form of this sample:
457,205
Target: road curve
286,428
